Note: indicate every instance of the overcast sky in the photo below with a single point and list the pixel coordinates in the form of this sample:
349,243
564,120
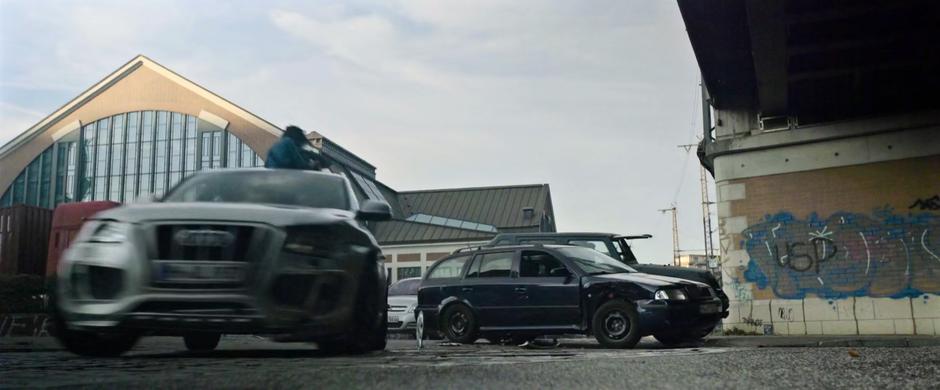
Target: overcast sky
590,97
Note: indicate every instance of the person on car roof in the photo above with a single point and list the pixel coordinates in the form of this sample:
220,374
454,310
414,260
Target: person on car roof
294,151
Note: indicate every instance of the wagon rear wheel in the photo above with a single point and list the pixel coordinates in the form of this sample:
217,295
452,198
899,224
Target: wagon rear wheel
459,324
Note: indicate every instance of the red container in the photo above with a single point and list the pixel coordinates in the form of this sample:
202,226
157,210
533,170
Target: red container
24,231
66,221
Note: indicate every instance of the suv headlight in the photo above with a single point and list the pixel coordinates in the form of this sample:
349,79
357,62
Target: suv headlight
111,232
670,295
309,240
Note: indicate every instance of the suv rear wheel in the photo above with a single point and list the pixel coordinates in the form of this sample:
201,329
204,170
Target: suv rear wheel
459,324
616,324
202,341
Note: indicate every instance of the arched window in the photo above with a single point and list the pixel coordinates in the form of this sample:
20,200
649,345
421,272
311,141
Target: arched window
121,157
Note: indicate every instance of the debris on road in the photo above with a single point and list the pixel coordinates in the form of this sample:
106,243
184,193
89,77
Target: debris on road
541,344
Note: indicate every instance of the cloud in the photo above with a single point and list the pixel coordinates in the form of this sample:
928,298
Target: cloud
592,100
591,97
17,119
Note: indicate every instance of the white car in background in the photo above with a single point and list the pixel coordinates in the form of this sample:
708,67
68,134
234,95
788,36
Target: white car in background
402,300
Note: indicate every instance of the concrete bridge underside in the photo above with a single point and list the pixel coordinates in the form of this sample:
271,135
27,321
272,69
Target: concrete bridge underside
824,141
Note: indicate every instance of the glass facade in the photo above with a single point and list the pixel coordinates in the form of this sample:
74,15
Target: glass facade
121,157
451,222
409,272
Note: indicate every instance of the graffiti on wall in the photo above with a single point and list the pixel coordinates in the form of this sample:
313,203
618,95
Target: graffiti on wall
932,203
753,321
740,291
845,254
24,325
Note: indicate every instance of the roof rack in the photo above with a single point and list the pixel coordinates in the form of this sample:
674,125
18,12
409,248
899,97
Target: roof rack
468,248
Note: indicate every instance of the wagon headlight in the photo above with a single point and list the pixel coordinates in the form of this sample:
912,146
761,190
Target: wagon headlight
412,308
670,295
110,232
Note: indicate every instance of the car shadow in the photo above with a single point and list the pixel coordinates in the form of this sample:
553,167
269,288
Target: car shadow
250,354
647,343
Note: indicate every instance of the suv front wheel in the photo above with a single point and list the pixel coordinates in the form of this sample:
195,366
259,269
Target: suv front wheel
369,329
85,343
616,324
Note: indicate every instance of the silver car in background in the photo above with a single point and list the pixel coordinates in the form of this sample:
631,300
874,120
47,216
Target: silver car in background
283,253
402,301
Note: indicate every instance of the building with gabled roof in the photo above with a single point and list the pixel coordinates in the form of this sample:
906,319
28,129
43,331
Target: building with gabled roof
143,128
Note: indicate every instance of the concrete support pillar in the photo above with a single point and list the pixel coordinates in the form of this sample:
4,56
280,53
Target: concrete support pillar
834,235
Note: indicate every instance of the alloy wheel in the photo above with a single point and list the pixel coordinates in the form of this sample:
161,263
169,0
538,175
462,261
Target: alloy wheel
458,323
616,325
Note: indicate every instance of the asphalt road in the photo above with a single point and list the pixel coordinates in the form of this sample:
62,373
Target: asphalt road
249,362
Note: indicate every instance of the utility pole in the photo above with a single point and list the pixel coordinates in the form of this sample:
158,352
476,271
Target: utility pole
675,234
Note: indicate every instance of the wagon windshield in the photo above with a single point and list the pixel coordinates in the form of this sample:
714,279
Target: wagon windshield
594,262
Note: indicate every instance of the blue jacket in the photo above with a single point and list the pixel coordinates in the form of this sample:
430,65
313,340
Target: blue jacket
285,154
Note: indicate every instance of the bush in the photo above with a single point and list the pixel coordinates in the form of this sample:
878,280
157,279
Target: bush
22,293
740,332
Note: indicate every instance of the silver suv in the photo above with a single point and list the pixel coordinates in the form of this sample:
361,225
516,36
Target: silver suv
241,251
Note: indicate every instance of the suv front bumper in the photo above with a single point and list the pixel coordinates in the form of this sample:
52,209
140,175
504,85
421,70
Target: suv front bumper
285,294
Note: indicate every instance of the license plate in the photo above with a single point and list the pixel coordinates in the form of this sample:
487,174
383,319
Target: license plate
182,272
709,309
394,319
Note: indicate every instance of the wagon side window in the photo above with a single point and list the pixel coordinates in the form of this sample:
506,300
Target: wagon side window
449,268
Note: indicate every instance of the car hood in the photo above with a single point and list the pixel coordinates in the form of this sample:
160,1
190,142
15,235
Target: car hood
231,212
698,275
402,300
645,279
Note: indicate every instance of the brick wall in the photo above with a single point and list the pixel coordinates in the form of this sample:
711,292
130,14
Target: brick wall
847,250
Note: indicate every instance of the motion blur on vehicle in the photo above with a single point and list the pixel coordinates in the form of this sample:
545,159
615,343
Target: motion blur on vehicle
245,251
499,194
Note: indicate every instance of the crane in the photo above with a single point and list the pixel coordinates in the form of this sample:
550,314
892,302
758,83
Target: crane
675,234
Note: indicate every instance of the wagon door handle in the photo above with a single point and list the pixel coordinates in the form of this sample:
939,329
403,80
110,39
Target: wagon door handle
521,290
466,289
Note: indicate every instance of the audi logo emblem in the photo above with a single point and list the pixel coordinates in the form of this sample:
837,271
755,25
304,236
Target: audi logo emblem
203,238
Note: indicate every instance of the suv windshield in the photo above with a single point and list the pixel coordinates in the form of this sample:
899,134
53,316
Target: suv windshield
405,287
626,253
294,188
594,262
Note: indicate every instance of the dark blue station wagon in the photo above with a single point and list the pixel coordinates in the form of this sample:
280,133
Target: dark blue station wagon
522,292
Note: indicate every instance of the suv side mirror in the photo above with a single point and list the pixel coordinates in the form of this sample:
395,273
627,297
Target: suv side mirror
373,210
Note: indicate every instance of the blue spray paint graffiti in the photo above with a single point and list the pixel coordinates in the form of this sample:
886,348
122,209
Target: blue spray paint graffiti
846,254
